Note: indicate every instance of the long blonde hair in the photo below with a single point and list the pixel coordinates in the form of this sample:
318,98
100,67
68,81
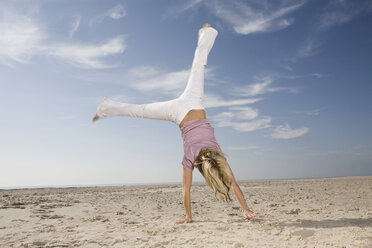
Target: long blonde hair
213,166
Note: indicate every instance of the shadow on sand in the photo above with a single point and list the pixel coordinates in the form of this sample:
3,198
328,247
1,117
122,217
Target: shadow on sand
329,223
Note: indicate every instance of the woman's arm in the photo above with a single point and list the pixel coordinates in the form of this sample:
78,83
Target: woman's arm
248,214
186,187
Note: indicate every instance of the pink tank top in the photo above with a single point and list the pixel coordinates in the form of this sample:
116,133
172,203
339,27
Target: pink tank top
196,135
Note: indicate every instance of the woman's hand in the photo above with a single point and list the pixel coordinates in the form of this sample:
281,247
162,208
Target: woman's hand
248,214
185,220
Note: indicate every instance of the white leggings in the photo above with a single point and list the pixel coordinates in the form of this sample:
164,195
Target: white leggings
174,110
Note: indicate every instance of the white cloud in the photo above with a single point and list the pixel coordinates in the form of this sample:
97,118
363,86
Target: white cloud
250,126
341,12
307,49
116,12
247,19
259,88
245,113
256,89
233,119
314,112
144,71
222,117
21,37
147,78
168,83
286,132
122,97
88,56
242,113
212,101
75,25
175,10
316,75
287,67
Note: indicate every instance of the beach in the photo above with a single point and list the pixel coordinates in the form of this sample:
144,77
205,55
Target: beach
329,212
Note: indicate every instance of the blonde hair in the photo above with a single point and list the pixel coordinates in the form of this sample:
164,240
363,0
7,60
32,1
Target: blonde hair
213,166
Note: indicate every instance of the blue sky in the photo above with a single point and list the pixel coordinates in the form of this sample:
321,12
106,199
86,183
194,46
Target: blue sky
288,88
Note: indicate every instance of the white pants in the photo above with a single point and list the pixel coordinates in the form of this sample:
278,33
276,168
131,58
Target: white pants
174,110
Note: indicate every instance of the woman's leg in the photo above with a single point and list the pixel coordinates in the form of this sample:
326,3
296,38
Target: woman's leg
168,110
195,86
173,110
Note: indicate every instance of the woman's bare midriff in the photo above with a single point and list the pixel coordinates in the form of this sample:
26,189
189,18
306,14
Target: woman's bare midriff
194,114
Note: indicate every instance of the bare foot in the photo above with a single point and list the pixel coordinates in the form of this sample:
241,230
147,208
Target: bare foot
186,220
206,25
248,214
96,117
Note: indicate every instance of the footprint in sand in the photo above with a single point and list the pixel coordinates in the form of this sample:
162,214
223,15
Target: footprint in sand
238,245
294,211
303,233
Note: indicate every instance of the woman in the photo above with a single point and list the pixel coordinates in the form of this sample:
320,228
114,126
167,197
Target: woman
200,145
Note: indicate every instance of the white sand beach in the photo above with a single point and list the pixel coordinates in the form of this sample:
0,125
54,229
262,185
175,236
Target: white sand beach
332,212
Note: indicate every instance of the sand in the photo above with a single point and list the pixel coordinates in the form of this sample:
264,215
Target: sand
334,212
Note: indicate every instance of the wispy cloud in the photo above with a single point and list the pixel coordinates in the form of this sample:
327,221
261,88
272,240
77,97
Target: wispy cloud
170,83
249,126
88,56
313,112
233,118
286,132
21,37
287,67
293,77
247,119
176,10
257,88
309,48
212,101
260,88
151,79
116,12
247,19
167,85
341,12
243,113
144,71
306,50
75,25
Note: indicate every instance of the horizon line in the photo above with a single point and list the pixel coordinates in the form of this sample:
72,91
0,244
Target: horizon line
66,186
